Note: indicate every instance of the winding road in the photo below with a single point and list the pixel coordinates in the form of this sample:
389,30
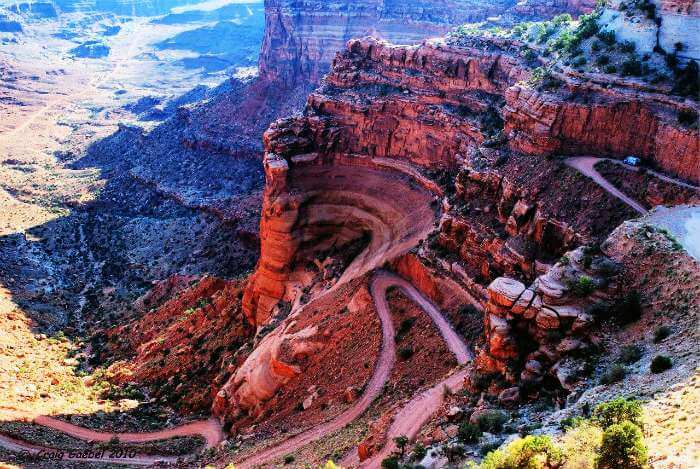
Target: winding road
409,419
586,166
209,429
406,422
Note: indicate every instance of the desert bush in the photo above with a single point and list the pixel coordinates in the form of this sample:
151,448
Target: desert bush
405,352
631,354
628,309
687,117
632,67
614,374
491,421
661,333
418,452
627,46
603,60
390,463
580,445
660,363
611,69
607,36
528,452
617,411
288,459
579,62
468,433
688,80
562,19
583,287
622,445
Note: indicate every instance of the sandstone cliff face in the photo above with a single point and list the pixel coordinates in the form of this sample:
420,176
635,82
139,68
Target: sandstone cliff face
602,122
425,113
301,38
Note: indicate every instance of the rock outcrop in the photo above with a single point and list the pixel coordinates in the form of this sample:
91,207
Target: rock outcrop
441,120
532,333
589,119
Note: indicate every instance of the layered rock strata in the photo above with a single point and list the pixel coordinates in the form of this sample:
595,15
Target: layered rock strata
425,113
532,332
301,38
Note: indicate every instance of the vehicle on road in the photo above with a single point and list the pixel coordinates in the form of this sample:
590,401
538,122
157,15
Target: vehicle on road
632,161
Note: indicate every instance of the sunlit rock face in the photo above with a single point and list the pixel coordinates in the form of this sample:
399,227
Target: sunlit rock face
673,22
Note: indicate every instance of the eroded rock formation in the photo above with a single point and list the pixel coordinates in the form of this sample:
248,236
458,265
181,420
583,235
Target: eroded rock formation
532,333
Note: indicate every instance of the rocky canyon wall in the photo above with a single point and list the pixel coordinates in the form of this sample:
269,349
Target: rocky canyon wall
302,37
461,123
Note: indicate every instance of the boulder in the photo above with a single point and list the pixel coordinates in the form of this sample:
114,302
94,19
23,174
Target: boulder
505,291
547,319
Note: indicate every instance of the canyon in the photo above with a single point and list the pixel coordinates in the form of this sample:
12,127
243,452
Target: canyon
439,231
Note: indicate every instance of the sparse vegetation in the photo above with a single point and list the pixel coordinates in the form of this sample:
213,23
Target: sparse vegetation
614,374
661,333
583,286
628,309
405,352
660,363
491,421
622,446
528,452
468,433
630,354
617,411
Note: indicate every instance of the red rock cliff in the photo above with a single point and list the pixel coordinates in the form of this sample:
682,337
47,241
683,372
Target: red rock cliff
405,124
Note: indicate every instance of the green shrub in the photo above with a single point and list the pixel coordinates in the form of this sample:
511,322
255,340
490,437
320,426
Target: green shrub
579,62
611,69
628,309
660,363
468,433
525,453
453,453
562,19
687,117
288,459
491,421
614,374
390,463
607,36
583,287
661,333
405,327
617,411
529,54
622,446
603,60
627,46
632,67
405,352
571,422
596,46
418,452
581,445
631,354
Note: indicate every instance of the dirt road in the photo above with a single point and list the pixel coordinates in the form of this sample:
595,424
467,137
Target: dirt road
381,282
586,166
209,429
406,422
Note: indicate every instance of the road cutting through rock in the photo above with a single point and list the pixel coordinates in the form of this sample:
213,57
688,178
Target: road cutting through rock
429,400
406,422
209,429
